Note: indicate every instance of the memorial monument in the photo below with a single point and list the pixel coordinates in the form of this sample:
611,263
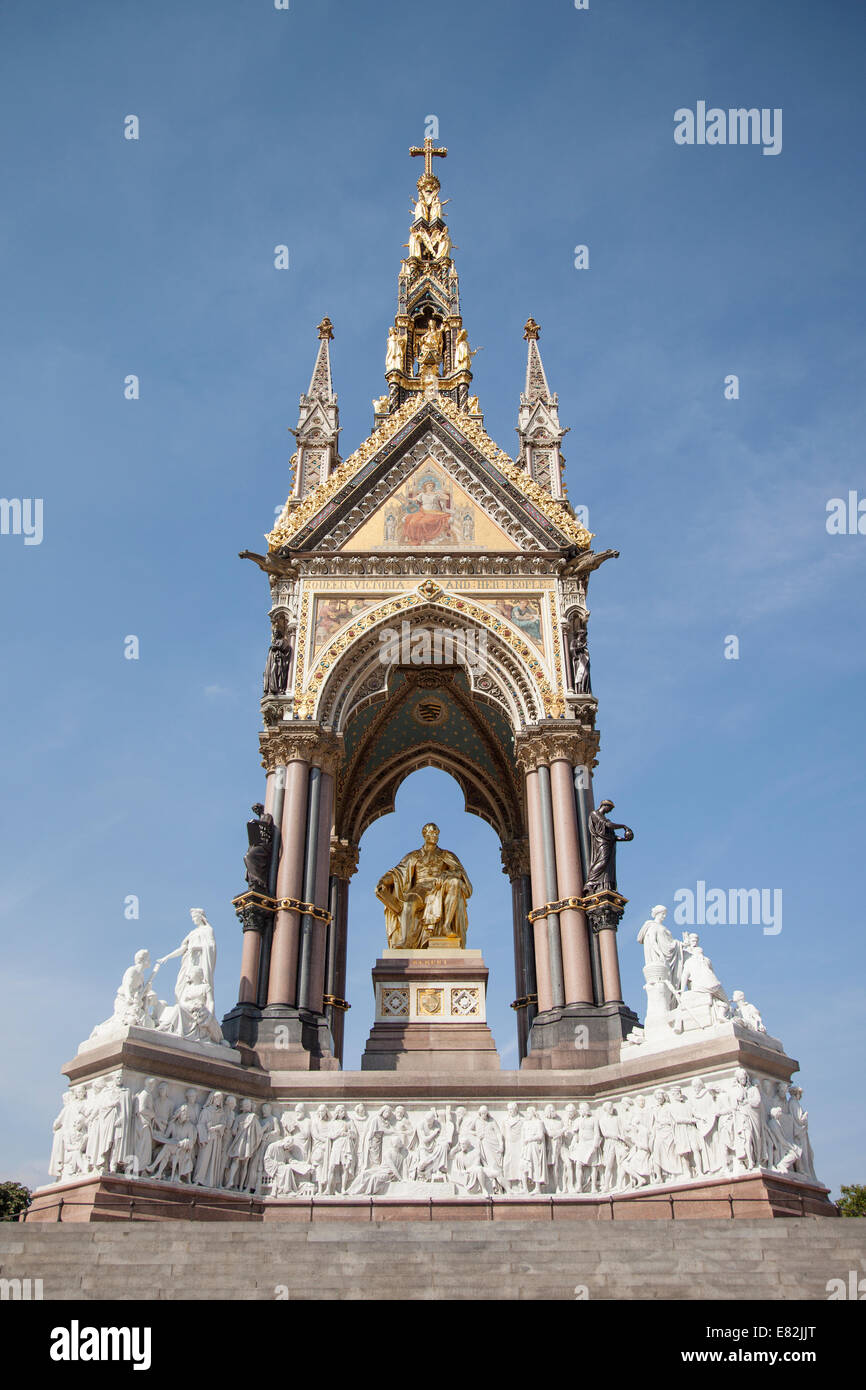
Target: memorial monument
428,607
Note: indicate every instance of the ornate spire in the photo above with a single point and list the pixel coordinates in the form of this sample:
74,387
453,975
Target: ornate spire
320,381
428,350
538,420
537,388
318,423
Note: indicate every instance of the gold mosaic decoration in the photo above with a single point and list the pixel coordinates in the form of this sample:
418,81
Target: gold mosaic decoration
557,646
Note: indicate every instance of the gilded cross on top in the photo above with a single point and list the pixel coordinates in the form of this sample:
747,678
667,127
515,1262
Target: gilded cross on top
428,152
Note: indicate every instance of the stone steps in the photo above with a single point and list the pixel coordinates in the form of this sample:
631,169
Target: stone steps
395,1261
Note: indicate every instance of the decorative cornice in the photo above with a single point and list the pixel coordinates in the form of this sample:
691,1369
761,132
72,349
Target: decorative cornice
446,566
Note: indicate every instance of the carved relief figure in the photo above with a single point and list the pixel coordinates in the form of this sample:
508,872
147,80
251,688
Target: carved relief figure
673,1136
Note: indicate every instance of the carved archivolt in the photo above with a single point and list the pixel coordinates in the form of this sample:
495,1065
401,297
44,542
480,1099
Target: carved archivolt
363,798
515,676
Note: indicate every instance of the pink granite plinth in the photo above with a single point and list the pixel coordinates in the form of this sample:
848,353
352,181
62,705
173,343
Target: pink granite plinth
122,1199
441,1043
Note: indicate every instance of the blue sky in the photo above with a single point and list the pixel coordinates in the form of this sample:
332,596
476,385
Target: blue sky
155,257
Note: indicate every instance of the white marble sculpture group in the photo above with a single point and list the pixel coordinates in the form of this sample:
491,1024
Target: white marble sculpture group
140,1127
191,1016
674,1134
684,994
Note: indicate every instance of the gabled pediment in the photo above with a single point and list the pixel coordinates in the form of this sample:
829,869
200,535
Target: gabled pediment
317,419
499,493
541,425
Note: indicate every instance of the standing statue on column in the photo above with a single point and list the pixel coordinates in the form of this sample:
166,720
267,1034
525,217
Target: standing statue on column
603,838
579,653
257,860
276,677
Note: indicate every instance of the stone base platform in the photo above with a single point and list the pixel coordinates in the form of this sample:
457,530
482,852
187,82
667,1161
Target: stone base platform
280,1037
431,1014
423,1261
578,1035
116,1198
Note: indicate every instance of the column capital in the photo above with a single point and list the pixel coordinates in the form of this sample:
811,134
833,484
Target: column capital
279,746
255,912
344,859
301,742
328,753
515,858
566,740
604,910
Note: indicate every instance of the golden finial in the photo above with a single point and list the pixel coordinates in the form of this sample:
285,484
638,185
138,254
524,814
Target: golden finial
428,152
531,330
326,329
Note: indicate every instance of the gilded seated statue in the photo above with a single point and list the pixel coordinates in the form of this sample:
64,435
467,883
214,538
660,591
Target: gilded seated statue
425,897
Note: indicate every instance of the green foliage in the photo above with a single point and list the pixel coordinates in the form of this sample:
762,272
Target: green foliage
14,1198
853,1200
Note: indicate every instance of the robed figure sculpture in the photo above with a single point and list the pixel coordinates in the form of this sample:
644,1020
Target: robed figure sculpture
257,860
276,677
425,896
603,840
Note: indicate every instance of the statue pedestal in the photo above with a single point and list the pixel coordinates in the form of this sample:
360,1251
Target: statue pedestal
431,1013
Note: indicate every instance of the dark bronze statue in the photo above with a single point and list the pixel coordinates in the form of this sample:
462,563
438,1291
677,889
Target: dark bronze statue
257,860
279,660
603,838
579,653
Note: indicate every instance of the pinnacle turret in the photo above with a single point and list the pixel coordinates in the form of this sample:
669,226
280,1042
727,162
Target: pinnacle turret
538,426
318,422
